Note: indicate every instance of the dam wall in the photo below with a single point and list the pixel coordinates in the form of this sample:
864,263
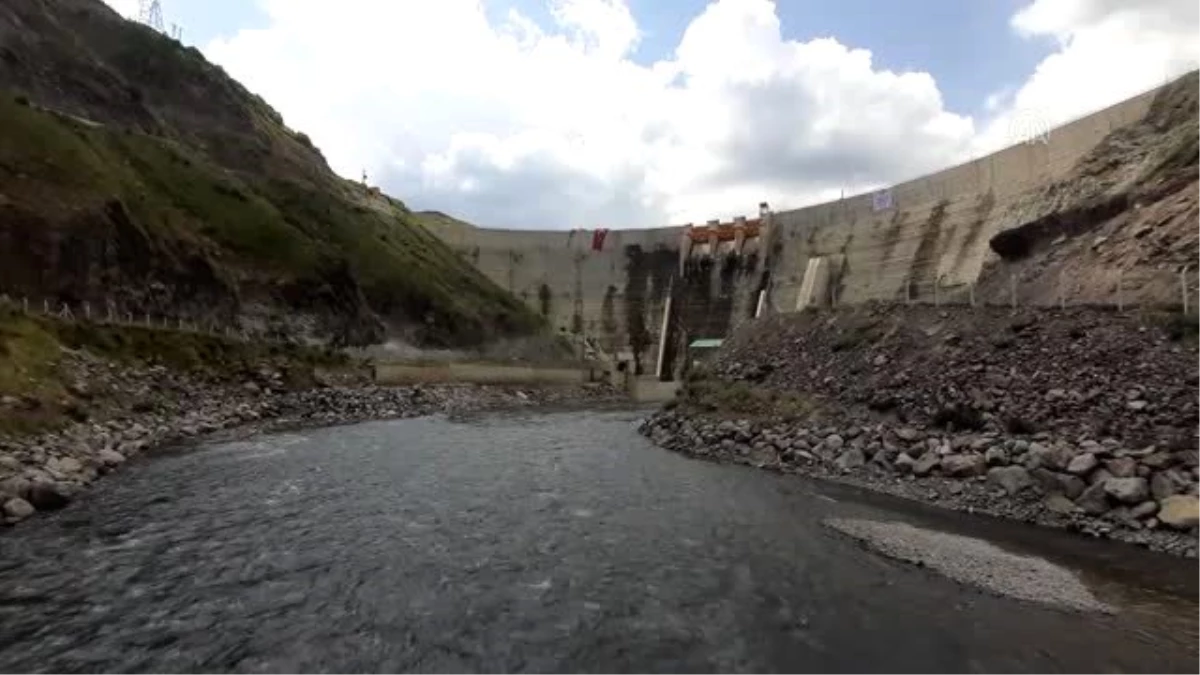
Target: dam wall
913,240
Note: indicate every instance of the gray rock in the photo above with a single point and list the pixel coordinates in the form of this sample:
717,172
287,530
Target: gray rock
1144,510
908,434
996,456
1157,460
834,442
963,466
16,509
1050,457
14,486
1012,479
1180,512
1099,476
1094,500
69,465
1137,406
926,463
1053,482
1081,465
1121,467
904,463
1057,503
9,463
110,457
1127,490
1163,484
850,459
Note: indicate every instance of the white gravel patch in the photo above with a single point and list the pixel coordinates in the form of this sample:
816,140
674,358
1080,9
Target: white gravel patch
975,562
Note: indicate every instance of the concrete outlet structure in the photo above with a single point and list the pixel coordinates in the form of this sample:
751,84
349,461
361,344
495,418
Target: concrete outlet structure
915,240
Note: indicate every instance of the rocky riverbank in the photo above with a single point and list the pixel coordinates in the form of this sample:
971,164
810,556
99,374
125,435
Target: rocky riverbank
1145,495
1083,419
153,406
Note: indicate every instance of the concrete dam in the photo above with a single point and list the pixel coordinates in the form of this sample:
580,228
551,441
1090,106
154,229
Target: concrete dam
917,240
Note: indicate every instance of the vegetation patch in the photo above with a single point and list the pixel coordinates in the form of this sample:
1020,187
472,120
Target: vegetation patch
711,396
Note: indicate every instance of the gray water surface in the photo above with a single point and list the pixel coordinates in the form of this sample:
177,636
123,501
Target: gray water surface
533,542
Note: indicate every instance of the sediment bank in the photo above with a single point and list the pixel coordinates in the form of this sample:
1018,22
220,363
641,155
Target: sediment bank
1082,419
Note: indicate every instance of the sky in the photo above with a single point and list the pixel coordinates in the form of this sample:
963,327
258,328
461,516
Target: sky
558,114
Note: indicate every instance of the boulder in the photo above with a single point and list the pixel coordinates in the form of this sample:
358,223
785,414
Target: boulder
1127,490
1059,483
1081,465
1093,500
69,465
904,463
1157,460
1059,504
834,442
965,465
1163,484
109,457
17,509
908,434
926,463
996,456
1121,467
1012,479
850,460
1145,509
1181,512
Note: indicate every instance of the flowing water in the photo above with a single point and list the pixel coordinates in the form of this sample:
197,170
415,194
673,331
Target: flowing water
535,541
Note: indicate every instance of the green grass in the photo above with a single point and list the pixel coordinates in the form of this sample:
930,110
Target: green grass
291,227
32,347
719,398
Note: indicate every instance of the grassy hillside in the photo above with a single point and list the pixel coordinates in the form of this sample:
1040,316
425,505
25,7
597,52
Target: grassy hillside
131,168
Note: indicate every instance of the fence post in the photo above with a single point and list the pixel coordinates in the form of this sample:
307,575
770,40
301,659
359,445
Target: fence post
45,306
1183,287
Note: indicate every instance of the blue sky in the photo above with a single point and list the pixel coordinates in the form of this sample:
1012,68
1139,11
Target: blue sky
631,113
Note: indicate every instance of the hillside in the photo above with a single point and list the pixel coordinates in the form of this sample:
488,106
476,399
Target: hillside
134,172
1127,211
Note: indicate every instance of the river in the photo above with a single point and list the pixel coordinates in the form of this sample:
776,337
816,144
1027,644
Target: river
535,541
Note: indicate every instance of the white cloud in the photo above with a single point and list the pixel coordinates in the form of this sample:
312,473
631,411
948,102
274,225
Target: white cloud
517,124
514,124
1108,50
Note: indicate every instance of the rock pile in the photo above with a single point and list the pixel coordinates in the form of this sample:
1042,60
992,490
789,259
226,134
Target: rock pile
1098,486
1084,418
1082,372
159,406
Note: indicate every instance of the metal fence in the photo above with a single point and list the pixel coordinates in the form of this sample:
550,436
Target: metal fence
109,313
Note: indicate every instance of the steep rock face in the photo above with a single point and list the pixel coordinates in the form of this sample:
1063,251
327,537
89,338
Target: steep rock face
1126,214
134,172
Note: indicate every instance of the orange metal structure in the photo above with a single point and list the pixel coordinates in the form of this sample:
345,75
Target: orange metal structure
724,231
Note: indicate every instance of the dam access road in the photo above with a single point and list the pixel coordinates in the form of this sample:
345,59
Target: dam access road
554,541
